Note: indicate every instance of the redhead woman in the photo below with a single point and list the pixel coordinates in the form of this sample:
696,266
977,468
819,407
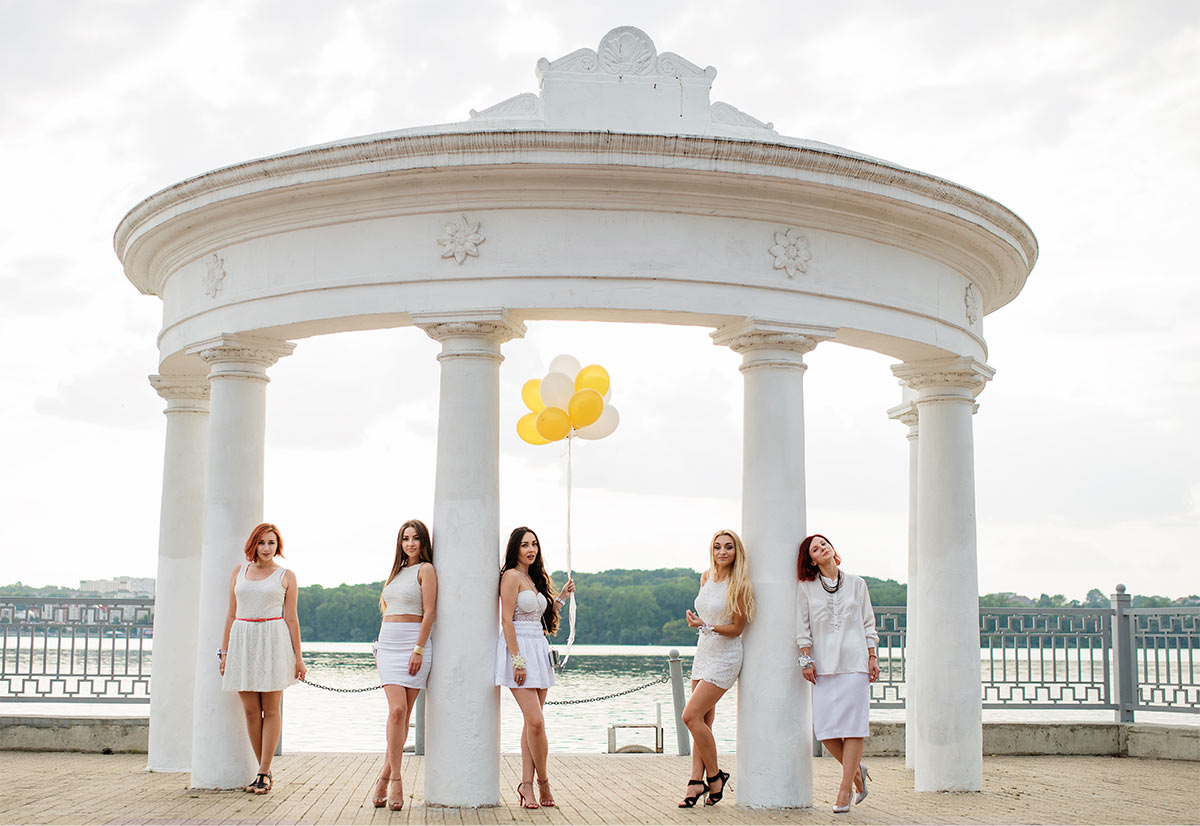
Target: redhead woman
528,612
723,607
405,650
260,650
835,631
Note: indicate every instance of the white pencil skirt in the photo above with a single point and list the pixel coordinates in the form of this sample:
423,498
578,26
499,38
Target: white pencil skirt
841,705
396,643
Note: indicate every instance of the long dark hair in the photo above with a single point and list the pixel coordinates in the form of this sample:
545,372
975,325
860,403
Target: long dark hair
401,559
537,572
806,570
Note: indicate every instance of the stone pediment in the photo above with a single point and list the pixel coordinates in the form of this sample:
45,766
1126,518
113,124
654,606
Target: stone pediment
624,85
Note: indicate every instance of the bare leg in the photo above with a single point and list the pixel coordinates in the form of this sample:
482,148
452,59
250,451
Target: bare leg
397,729
533,735
852,752
698,716
837,748
272,726
252,706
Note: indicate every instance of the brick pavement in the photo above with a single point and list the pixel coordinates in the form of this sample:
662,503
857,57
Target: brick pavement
55,787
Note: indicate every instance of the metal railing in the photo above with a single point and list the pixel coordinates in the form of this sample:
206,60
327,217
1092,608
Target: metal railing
1101,658
92,650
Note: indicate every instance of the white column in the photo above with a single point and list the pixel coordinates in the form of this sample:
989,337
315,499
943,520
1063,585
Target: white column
180,533
949,732
221,753
462,712
906,414
774,724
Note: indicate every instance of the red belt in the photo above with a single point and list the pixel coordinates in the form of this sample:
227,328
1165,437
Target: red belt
258,619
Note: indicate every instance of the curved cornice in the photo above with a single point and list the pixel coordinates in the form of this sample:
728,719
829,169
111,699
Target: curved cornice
985,240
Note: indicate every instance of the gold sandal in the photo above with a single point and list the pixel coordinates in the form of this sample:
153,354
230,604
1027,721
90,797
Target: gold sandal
545,798
377,801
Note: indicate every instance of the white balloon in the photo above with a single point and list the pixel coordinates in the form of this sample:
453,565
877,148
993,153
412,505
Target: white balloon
557,389
565,364
604,426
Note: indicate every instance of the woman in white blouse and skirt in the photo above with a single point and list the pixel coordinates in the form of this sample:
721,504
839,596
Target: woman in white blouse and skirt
835,631
405,649
528,612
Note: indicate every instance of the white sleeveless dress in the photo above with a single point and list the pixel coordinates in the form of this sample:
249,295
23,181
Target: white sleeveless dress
260,656
718,659
531,642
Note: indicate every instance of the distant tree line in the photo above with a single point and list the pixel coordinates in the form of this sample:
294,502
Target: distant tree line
618,607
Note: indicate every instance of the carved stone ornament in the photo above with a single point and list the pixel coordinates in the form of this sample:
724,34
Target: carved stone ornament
214,274
796,342
973,304
722,112
525,106
625,51
460,238
790,252
171,387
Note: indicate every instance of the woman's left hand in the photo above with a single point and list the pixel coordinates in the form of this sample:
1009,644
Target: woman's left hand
414,663
569,588
301,669
873,667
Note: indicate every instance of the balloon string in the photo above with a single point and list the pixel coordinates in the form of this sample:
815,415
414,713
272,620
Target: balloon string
571,634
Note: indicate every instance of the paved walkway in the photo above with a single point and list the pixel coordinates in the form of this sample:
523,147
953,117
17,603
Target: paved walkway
593,789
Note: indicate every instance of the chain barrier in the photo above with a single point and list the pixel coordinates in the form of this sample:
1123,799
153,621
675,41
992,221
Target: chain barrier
659,681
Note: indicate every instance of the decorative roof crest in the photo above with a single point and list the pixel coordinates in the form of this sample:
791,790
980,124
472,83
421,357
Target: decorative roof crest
625,85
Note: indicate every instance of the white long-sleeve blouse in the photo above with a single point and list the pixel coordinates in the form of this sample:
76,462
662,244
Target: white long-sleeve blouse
838,627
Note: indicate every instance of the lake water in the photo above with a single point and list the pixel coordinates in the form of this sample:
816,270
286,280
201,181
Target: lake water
319,720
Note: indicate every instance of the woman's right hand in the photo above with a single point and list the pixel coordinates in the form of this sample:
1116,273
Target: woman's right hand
518,675
221,664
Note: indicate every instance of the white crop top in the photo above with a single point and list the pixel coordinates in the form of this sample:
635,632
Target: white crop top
403,594
530,606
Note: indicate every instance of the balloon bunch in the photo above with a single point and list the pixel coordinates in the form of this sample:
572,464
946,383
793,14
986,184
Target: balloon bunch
570,401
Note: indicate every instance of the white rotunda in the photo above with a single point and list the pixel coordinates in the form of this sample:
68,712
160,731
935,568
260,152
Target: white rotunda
618,192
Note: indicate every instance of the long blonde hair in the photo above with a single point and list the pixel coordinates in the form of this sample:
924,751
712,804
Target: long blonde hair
739,593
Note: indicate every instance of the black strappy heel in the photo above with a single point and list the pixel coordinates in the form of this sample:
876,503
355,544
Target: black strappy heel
690,800
715,797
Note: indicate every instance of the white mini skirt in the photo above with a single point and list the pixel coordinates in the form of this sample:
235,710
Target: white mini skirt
841,705
532,643
396,643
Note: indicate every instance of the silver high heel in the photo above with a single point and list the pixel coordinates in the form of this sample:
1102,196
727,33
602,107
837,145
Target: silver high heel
841,810
864,775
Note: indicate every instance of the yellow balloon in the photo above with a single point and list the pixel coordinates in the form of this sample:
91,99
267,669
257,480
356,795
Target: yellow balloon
553,424
593,376
531,394
585,407
527,430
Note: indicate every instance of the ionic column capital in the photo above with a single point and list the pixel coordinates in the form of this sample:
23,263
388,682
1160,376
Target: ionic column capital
907,415
472,333
241,356
946,379
184,394
771,343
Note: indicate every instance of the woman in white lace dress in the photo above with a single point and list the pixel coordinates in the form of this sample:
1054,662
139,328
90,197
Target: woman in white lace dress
405,650
260,650
723,607
528,612
835,631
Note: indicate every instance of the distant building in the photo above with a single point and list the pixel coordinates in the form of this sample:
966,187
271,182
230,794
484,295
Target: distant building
122,585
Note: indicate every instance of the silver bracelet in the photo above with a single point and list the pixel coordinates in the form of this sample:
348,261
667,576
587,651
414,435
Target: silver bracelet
221,652
805,661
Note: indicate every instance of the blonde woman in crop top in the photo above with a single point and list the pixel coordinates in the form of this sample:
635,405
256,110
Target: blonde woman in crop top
405,650
528,612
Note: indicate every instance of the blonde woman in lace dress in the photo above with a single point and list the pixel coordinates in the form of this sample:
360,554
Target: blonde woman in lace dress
260,650
835,631
723,607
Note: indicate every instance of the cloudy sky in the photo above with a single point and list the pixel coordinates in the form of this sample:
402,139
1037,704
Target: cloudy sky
1082,117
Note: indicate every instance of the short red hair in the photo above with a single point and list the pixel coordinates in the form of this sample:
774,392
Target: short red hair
806,571
257,534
